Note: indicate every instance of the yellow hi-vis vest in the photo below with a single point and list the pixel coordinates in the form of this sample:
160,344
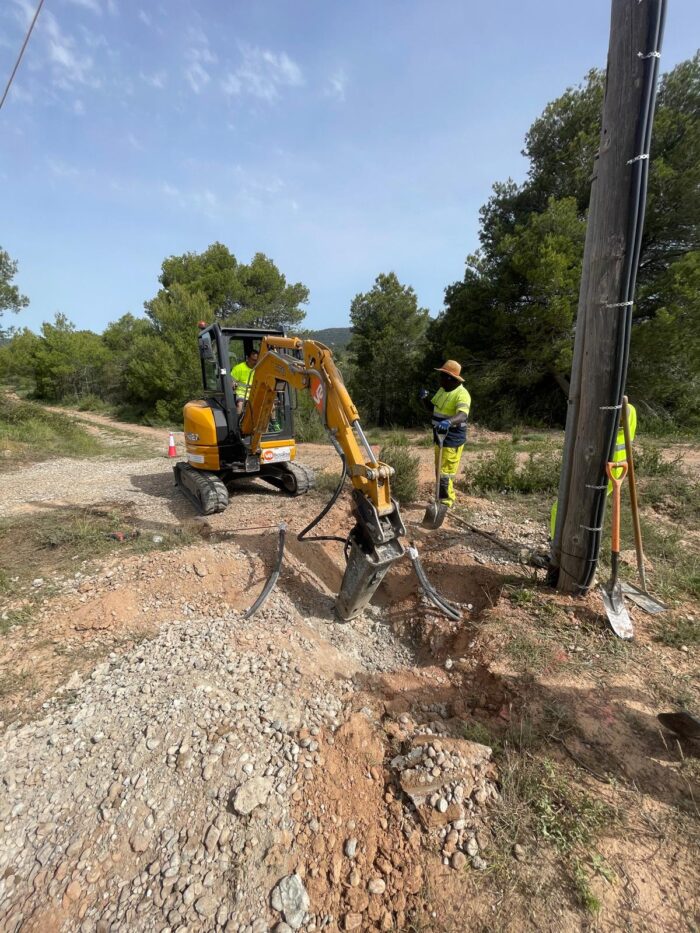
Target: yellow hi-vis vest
242,374
619,454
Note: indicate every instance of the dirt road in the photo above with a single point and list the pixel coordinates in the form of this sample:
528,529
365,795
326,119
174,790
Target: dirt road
169,765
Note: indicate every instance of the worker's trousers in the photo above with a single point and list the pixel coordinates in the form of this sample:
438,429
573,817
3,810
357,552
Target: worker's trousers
449,465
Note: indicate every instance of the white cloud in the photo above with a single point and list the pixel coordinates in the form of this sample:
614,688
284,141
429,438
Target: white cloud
78,108
337,84
156,80
145,18
112,7
62,169
197,76
204,201
198,56
70,67
263,74
134,142
91,5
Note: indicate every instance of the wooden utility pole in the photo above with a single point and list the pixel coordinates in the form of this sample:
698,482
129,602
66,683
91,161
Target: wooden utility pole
604,308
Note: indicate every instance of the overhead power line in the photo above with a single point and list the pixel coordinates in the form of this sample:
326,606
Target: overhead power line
21,53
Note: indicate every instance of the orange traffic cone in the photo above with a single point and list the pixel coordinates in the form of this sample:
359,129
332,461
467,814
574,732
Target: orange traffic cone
172,449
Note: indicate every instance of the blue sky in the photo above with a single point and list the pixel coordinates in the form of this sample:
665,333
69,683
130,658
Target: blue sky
341,139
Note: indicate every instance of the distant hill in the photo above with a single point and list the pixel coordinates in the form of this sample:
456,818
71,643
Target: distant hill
337,338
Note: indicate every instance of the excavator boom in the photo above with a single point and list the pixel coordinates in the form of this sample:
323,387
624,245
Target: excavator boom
374,542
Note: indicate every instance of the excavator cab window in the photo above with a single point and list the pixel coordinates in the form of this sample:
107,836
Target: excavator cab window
210,363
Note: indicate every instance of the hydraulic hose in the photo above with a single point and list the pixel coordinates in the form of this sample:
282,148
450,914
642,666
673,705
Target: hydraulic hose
640,176
272,579
435,598
325,510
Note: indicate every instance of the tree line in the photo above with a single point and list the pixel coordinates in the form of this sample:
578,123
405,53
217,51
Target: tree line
509,320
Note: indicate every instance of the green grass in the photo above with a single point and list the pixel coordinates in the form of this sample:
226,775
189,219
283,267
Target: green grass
30,433
541,801
60,540
676,631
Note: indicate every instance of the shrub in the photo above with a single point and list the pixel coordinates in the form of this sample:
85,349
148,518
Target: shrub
308,428
649,462
501,471
404,483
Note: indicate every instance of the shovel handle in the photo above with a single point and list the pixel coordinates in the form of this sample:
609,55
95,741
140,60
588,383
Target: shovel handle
616,481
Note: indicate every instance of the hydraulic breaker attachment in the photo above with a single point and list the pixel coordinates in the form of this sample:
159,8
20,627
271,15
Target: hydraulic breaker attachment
374,545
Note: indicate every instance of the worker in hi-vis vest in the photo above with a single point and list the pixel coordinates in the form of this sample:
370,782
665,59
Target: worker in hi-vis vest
619,454
242,375
450,410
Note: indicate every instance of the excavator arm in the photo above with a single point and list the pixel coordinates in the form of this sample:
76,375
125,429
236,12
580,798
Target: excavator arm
374,542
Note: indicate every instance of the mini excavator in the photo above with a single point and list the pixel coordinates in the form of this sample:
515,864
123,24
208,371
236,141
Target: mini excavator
223,446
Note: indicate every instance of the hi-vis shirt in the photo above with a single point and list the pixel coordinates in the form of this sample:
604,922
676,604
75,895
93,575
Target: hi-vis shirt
446,405
242,375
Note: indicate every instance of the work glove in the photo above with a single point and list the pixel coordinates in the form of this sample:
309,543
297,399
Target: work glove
443,426
423,394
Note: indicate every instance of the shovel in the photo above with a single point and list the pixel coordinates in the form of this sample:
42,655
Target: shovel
613,600
639,596
436,511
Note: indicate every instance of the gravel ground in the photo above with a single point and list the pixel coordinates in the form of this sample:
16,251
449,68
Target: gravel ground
148,796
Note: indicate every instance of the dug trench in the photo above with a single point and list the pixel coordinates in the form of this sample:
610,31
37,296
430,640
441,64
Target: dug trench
169,764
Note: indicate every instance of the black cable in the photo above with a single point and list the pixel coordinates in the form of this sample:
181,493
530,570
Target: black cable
21,53
272,579
302,536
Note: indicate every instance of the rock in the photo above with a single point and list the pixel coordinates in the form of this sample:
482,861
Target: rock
291,900
458,860
479,863
352,921
73,891
251,795
283,928
139,842
377,886
441,805
350,847
472,848
519,852
207,906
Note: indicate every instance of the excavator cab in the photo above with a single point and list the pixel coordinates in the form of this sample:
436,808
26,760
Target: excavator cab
217,453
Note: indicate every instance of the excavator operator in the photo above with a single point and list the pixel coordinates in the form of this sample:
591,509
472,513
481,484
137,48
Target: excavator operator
450,410
242,375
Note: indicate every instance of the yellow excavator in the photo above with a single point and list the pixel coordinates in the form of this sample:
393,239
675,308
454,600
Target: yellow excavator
223,446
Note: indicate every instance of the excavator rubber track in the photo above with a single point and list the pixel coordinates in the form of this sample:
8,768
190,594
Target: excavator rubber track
293,478
205,490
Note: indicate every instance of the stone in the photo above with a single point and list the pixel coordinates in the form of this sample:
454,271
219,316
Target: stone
252,794
73,891
350,847
207,906
519,852
376,886
472,848
290,898
458,860
352,921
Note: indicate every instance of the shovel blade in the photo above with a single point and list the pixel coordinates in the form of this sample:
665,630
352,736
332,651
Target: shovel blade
434,515
616,611
643,600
